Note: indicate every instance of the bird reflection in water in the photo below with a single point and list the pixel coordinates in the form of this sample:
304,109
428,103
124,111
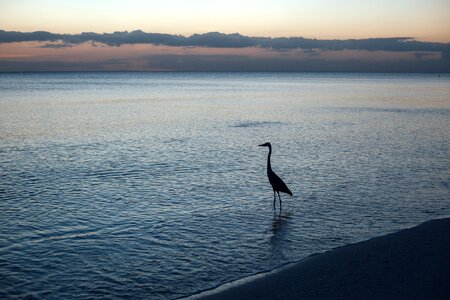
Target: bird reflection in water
279,235
280,222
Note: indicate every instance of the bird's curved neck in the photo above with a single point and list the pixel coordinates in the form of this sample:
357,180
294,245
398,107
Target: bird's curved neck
269,167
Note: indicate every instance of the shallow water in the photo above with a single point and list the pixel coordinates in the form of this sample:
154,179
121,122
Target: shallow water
151,185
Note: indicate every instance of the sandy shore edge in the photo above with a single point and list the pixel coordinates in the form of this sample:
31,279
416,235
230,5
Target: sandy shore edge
413,263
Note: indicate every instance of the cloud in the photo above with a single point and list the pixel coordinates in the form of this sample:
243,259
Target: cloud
241,63
311,52
420,55
56,46
221,40
228,63
216,52
48,66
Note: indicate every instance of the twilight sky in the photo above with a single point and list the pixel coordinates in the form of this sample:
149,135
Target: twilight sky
245,35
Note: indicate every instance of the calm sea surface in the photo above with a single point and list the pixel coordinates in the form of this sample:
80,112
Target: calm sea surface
152,185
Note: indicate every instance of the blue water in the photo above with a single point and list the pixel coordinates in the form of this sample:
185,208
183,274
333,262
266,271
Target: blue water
152,186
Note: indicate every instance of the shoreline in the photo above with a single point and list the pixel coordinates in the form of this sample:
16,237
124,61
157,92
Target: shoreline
410,263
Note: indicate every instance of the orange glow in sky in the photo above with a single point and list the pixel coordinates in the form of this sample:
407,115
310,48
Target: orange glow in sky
425,20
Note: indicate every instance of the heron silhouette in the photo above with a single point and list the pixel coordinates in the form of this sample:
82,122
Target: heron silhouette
277,183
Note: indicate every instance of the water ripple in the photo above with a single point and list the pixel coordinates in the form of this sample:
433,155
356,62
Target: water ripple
246,124
152,186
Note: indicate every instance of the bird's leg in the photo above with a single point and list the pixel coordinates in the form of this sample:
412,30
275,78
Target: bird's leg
280,200
274,200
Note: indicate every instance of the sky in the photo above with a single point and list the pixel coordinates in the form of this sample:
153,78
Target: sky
248,35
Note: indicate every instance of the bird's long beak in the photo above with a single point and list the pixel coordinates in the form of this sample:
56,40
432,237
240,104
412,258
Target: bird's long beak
262,145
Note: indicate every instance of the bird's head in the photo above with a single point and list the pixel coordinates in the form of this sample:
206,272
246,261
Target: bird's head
265,145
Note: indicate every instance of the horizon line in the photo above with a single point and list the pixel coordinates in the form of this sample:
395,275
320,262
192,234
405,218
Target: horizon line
219,71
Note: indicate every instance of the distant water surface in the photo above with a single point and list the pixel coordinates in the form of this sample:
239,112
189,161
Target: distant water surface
152,186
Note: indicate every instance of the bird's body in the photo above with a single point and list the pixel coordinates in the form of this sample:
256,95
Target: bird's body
276,182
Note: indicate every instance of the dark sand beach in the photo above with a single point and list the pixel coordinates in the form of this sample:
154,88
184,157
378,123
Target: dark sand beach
410,264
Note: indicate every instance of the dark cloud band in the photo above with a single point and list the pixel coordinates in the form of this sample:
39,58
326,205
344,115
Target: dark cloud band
220,40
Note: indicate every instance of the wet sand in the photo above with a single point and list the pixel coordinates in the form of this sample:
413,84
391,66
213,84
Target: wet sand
410,264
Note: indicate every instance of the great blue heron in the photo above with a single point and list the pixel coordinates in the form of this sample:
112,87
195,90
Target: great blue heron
278,185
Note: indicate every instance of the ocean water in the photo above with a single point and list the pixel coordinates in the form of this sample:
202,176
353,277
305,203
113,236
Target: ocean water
152,185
